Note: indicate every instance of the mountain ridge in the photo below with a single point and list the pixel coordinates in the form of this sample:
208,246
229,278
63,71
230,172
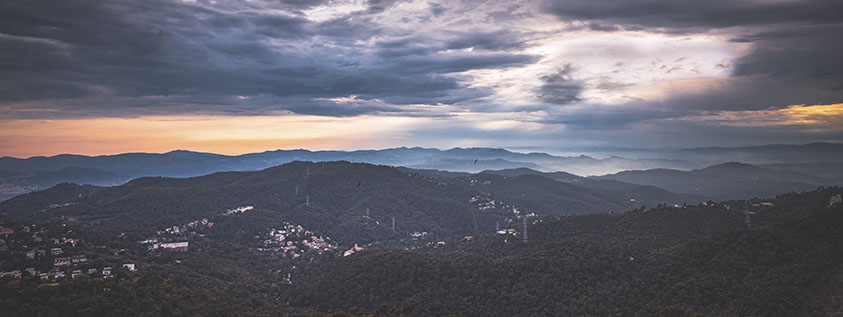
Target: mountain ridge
182,163
731,180
332,197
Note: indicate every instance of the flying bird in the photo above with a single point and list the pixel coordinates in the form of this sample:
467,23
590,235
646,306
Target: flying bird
475,161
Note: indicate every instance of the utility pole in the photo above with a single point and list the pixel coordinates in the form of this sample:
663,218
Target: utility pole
746,214
525,229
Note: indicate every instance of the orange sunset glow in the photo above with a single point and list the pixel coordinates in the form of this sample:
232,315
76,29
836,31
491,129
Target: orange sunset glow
217,134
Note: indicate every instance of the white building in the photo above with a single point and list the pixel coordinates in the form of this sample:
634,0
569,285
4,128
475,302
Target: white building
130,266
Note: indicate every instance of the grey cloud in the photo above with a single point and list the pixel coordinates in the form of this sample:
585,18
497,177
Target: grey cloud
488,40
378,6
183,56
594,26
744,93
680,14
809,51
437,9
457,63
560,88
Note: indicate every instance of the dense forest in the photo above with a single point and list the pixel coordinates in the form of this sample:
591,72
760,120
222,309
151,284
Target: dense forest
332,198
699,259
769,256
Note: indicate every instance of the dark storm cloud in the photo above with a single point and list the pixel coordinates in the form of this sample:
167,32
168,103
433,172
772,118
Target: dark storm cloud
686,14
129,55
560,88
807,51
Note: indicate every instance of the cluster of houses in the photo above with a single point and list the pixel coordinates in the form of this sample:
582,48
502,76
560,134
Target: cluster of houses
237,210
353,249
46,252
175,246
188,228
507,231
479,182
57,272
6,231
293,240
66,261
482,203
836,199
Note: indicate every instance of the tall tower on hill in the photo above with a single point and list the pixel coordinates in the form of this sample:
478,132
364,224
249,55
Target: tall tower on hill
525,229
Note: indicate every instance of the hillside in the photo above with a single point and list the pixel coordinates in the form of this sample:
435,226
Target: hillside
699,259
641,195
547,197
723,181
212,278
15,183
328,198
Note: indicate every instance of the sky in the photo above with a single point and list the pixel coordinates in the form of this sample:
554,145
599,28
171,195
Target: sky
238,76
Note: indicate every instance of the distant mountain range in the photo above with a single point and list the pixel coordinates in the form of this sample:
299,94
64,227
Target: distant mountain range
186,163
333,198
723,181
820,159
765,154
19,176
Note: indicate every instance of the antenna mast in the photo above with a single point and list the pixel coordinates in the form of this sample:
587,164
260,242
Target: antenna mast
746,213
525,229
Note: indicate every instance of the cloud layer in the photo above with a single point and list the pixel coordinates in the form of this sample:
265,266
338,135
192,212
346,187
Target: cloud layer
595,72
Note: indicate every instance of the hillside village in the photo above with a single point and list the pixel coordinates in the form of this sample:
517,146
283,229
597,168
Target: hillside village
286,238
52,253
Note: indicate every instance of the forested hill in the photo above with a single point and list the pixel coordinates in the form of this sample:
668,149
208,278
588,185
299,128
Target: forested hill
697,259
644,195
331,198
706,259
723,181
